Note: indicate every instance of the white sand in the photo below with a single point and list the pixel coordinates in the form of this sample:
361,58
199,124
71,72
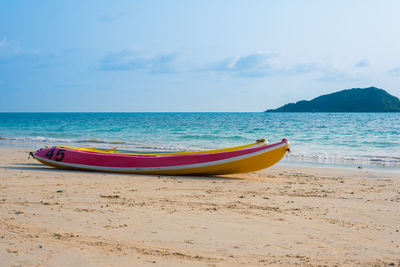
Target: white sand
281,216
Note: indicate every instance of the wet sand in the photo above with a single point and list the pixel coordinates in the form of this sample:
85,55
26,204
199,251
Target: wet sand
280,216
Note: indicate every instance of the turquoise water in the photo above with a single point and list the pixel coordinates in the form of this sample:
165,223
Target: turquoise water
325,138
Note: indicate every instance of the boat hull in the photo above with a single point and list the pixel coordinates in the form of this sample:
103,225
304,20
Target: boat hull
231,162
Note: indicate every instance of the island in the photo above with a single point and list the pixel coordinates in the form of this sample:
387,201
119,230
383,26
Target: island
369,99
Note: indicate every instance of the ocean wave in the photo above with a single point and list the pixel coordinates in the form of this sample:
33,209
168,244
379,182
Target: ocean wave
61,140
107,144
381,161
36,139
214,137
184,143
100,141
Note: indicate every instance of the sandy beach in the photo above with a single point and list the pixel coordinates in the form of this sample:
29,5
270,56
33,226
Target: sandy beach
280,216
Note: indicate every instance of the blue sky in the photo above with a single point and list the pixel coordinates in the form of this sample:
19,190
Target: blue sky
192,55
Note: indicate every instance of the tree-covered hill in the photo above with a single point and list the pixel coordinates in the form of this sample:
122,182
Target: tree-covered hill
369,99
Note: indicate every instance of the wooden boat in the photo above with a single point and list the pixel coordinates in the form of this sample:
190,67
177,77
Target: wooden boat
227,161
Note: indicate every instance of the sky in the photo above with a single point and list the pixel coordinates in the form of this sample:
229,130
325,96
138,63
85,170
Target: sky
192,56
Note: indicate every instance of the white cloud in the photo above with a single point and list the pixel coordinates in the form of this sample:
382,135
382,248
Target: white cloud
362,63
252,61
252,65
109,17
303,68
263,64
4,43
126,60
395,71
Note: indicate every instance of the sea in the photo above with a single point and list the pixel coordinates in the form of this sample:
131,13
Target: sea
353,140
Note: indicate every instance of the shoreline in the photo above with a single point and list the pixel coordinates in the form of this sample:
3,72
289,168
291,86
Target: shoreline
280,216
284,162
339,167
